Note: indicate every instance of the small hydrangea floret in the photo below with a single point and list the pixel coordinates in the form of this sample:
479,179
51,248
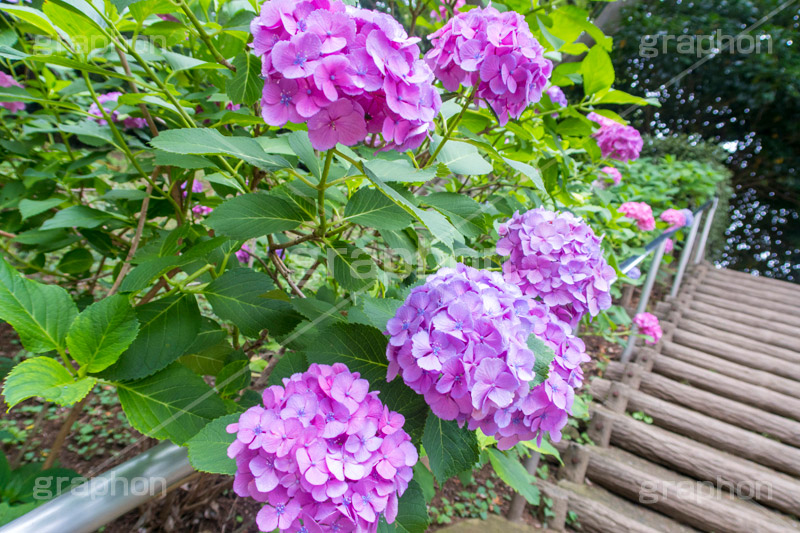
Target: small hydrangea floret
460,340
322,453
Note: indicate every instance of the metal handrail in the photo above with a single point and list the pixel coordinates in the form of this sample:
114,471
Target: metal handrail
657,246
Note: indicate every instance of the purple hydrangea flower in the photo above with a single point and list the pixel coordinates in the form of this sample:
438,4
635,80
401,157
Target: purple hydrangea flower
112,98
347,72
460,340
688,217
322,453
8,81
557,96
647,324
557,258
615,140
243,253
495,53
202,210
641,212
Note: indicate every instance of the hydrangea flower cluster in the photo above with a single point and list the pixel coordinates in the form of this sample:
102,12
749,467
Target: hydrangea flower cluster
494,52
615,140
611,174
322,452
647,324
345,71
557,96
460,340
669,245
9,81
556,257
112,98
674,218
202,210
641,212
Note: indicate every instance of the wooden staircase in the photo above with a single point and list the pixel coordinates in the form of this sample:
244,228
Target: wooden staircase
722,389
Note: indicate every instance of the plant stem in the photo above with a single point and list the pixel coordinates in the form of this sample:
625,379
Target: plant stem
136,238
321,193
450,129
204,36
63,433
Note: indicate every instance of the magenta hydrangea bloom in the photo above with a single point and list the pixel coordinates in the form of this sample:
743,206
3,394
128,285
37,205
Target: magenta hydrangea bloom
641,212
9,81
201,210
112,98
460,340
669,245
674,217
323,453
557,258
647,324
612,173
495,53
347,72
616,141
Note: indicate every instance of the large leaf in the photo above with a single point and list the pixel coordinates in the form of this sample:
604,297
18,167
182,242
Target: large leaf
530,172
167,328
204,141
412,512
450,449
371,208
544,356
373,311
102,332
41,314
514,475
45,378
242,297
246,84
291,363
85,33
254,215
32,16
353,268
597,70
174,404
463,158
77,216
399,170
76,261
464,213
208,450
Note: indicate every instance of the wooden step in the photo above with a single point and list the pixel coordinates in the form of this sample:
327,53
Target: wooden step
728,368
763,313
738,476
766,292
708,430
600,511
785,344
731,352
753,280
744,318
742,300
737,413
769,343
680,497
715,382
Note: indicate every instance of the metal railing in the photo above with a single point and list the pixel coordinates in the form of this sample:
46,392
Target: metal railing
656,247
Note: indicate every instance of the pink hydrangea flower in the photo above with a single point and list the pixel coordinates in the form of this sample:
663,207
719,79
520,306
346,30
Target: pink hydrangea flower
615,140
113,98
347,72
669,245
243,253
495,53
612,173
641,212
647,324
8,81
460,340
674,217
202,210
322,453
557,258
441,13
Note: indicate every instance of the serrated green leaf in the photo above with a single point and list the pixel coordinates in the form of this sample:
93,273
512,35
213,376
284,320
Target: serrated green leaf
511,471
291,363
233,377
464,213
173,404
353,268
167,327
371,208
463,158
31,208
399,170
44,377
246,84
254,215
301,146
412,513
76,261
544,356
597,70
208,450
100,334
450,449
205,141
40,314
77,216
531,172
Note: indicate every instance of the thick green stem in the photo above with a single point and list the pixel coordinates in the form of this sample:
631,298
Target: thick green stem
321,193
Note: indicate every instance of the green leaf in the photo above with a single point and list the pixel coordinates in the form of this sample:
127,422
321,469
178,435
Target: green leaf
40,314
233,377
353,268
173,404
204,141
621,97
597,70
208,450
463,158
291,363
31,16
254,215
532,173
546,448
85,34
514,475
412,512
301,146
102,332
167,328
77,216
544,356
464,213
371,208
399,170
31,208
376,311
246,84
44,377
450,449
241,297
76,261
